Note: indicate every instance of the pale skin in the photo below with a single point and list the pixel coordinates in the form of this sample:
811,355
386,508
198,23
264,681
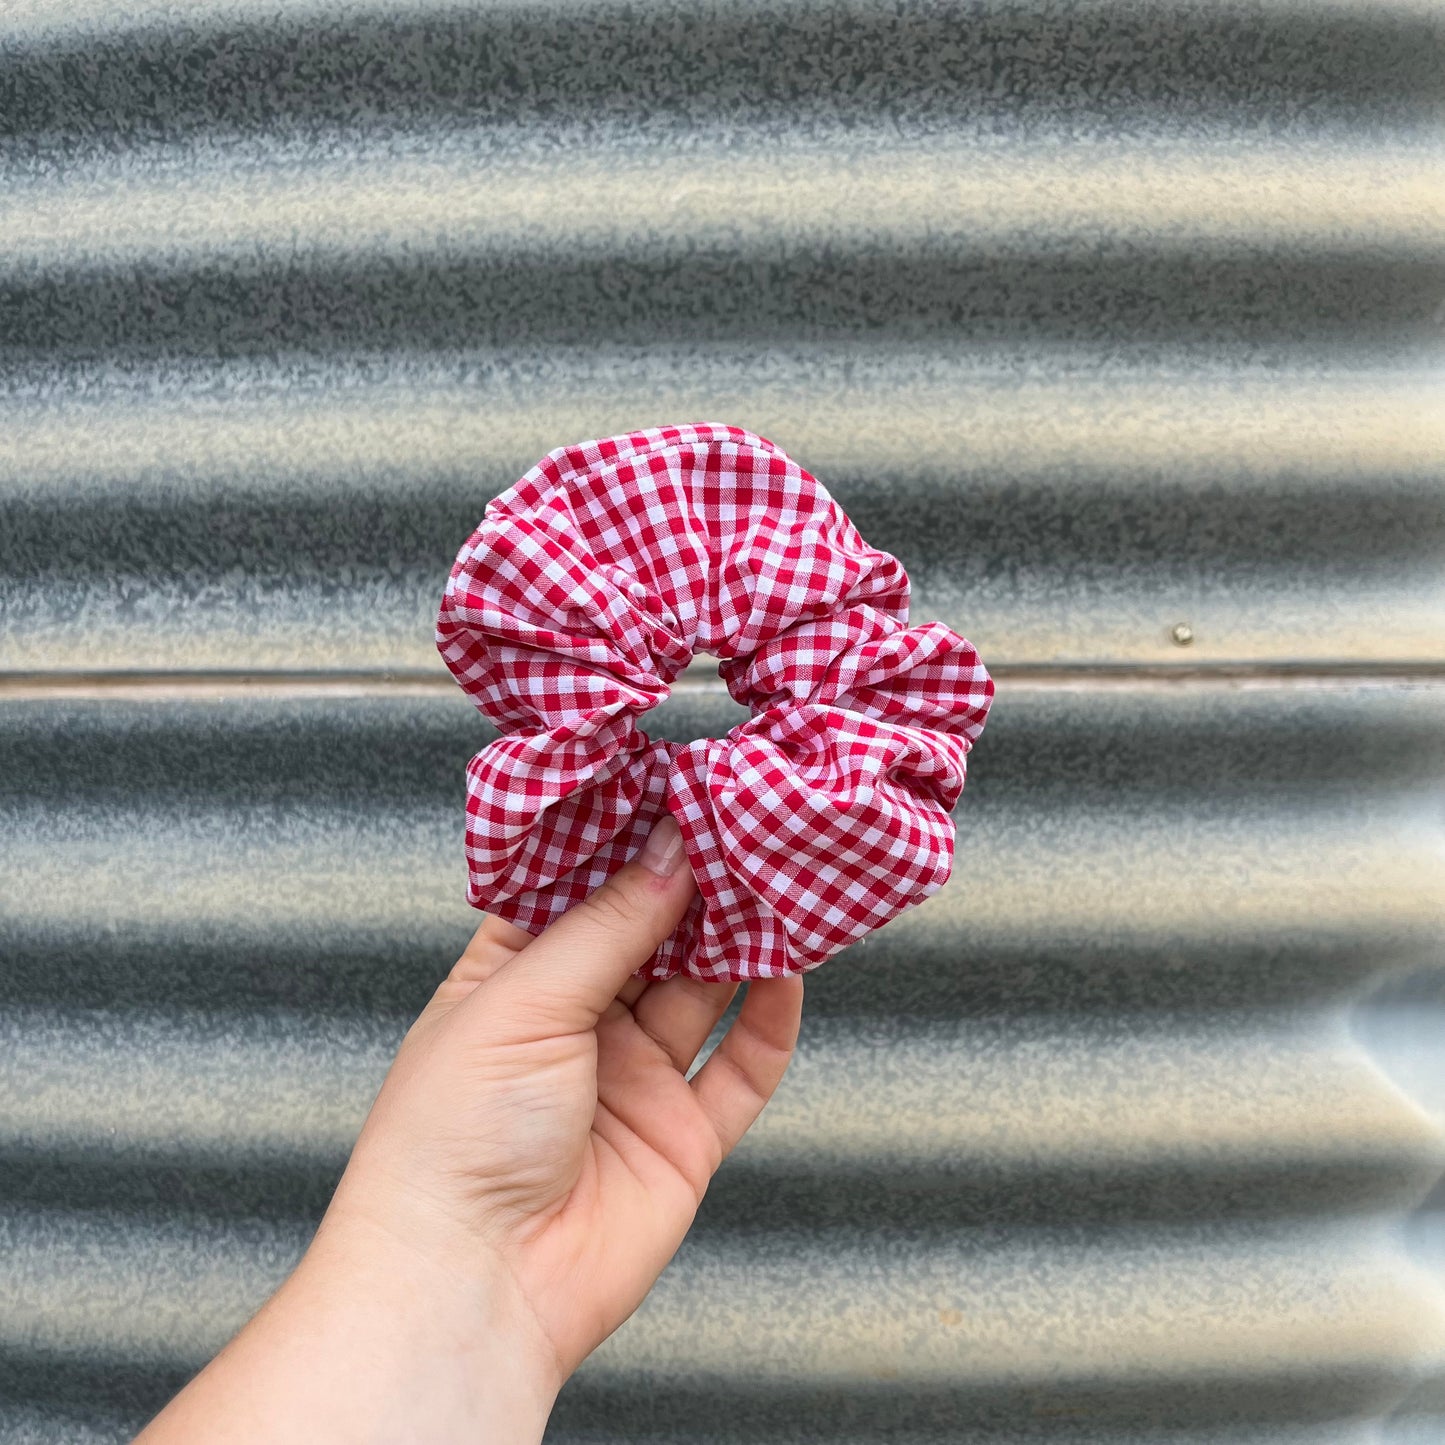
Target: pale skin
532,1161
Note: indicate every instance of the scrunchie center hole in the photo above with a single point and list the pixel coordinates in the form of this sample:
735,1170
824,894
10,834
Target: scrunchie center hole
699,705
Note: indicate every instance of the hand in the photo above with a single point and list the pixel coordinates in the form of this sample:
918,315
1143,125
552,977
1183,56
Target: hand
532,1161
538,1118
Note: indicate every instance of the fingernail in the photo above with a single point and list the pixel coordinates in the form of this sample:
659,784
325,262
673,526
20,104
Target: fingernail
663,852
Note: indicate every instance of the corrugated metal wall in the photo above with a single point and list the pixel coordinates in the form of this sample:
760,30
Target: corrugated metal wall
1108,318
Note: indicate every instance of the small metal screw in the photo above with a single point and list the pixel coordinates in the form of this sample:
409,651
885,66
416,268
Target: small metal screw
1182,633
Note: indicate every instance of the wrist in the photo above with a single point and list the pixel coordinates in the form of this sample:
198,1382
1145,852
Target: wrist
370,1340
440,1353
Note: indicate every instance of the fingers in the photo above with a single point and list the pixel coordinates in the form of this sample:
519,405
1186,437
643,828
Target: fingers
679,1013
632,989
496,942
505,935
748,1065
565,977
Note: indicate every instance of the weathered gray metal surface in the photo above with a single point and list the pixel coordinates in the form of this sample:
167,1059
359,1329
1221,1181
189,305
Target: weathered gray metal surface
1088,1133
1105,317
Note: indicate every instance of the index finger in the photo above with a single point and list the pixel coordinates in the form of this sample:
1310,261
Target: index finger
493,944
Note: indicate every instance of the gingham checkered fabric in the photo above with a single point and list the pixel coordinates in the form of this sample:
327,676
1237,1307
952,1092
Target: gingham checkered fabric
587,589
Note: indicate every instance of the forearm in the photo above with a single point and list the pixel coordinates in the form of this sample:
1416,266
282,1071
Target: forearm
364,1342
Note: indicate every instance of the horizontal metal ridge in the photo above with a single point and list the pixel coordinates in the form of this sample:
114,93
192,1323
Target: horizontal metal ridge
1286,520
234,66
309,428
1035,1099
961,1310
1244,814
941,195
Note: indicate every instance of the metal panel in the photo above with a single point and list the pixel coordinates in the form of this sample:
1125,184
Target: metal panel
1106,317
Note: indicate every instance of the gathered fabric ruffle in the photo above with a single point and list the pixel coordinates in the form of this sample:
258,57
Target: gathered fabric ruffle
571,610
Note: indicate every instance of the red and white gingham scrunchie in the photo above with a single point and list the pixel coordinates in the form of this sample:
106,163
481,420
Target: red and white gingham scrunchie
584,593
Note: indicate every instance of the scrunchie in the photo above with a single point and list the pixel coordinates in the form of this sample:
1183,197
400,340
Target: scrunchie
587,589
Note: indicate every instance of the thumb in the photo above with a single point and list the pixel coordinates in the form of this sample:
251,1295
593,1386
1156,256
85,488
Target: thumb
563,980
